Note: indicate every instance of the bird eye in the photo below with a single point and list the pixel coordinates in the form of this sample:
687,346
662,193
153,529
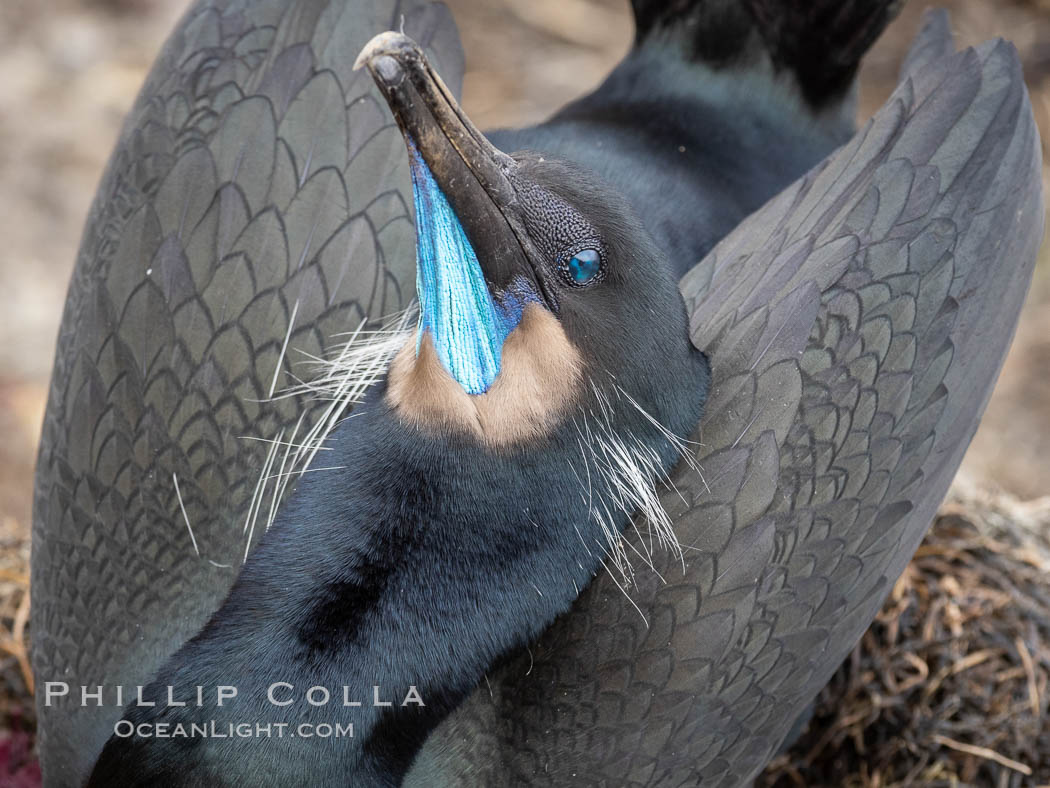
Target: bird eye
583,268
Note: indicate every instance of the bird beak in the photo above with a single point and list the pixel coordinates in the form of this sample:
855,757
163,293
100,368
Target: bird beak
474,274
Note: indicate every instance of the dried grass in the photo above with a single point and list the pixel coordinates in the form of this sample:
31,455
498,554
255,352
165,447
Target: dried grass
949,686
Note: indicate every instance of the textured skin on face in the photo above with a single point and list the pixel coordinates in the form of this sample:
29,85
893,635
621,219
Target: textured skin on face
532,395
855,327
556,227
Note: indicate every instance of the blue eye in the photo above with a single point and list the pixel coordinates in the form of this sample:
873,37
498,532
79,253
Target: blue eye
583,267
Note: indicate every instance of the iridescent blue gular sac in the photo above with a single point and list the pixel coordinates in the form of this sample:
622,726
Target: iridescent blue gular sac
467,325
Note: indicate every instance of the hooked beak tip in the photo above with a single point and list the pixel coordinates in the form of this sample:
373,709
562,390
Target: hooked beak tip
387,70
457,175
388,46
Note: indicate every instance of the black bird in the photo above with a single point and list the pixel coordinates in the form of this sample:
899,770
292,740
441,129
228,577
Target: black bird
855,325
455,525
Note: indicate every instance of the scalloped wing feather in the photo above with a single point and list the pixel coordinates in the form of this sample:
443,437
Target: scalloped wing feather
257,176
856,325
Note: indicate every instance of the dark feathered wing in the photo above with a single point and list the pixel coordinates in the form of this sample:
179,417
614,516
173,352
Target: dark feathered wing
855,325
257,176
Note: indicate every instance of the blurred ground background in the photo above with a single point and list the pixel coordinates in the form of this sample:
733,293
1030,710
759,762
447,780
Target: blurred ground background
69,69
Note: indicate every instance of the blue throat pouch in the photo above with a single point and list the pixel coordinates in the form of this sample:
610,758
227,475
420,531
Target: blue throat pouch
467,325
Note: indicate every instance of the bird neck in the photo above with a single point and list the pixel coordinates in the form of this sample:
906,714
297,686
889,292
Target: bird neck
694,149
413,569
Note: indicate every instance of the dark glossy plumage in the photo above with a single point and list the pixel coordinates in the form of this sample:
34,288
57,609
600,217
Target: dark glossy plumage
256,171
424,556
855,326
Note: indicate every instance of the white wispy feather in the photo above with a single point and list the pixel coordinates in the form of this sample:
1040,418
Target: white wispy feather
340,380
629,468
633,473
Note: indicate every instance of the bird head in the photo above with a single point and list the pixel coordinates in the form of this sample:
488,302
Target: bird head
540,291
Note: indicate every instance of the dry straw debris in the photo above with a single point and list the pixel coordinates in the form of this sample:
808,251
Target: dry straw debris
949,686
